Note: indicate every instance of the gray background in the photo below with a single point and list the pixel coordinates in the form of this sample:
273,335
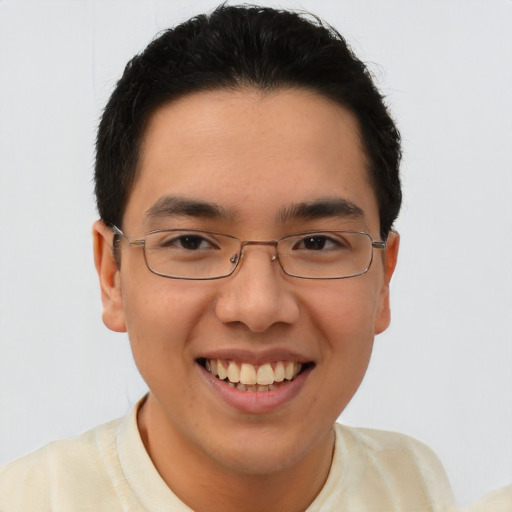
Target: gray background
441,373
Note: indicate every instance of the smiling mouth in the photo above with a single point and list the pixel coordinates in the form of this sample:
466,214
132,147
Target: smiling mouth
248,377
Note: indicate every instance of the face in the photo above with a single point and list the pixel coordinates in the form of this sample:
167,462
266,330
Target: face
253,158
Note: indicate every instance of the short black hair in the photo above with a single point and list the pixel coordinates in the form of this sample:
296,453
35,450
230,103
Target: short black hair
233,47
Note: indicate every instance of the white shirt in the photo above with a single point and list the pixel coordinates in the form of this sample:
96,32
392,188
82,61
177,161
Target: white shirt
108,470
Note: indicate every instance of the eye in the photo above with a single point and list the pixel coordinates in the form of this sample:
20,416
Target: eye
192,242
188,242
319,242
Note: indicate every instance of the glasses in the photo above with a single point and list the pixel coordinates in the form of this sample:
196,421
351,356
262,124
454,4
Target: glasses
197,254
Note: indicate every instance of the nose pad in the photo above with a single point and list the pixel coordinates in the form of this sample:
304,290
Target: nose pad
238,257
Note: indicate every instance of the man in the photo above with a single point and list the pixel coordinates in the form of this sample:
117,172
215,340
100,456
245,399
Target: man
247,184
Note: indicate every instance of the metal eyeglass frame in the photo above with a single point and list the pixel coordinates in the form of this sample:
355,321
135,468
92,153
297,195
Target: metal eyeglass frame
381,245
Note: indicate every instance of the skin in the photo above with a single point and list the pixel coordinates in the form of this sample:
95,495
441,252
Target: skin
253,154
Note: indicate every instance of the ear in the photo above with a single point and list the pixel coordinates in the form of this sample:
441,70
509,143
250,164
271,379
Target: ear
383,316
108,273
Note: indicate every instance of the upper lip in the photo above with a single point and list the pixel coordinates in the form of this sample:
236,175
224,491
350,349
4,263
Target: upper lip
255,357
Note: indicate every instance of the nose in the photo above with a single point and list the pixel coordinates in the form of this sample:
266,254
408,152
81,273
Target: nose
256,295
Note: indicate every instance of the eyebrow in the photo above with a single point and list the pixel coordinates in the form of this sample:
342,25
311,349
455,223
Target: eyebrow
322,208
168,206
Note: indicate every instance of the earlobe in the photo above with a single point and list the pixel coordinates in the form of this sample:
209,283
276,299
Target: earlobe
108,273
383,317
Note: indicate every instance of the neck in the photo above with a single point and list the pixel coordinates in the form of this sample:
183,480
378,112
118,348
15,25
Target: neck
206,485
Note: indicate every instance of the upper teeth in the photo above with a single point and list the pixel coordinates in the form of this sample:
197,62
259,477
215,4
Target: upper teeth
249,374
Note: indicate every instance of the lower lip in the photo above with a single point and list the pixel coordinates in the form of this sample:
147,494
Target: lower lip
256,402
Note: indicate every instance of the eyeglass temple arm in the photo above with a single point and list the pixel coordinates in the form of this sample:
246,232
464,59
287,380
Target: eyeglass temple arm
118,232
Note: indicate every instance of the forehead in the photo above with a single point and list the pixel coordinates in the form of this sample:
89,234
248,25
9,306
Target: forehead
253,153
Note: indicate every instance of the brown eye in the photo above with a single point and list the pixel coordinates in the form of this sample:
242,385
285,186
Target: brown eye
188,242
314,243
318,243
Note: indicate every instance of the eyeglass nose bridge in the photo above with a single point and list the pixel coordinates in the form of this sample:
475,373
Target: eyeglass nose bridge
236,258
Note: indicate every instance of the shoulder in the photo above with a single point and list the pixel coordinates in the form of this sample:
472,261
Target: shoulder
31,472
394,469
399,453
499,500
75,466
378,441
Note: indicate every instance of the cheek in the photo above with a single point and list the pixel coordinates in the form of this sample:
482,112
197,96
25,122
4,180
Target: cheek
161,319
345,316
346,312
348,332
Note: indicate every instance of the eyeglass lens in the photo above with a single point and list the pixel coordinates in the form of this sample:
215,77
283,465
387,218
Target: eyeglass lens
205,255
